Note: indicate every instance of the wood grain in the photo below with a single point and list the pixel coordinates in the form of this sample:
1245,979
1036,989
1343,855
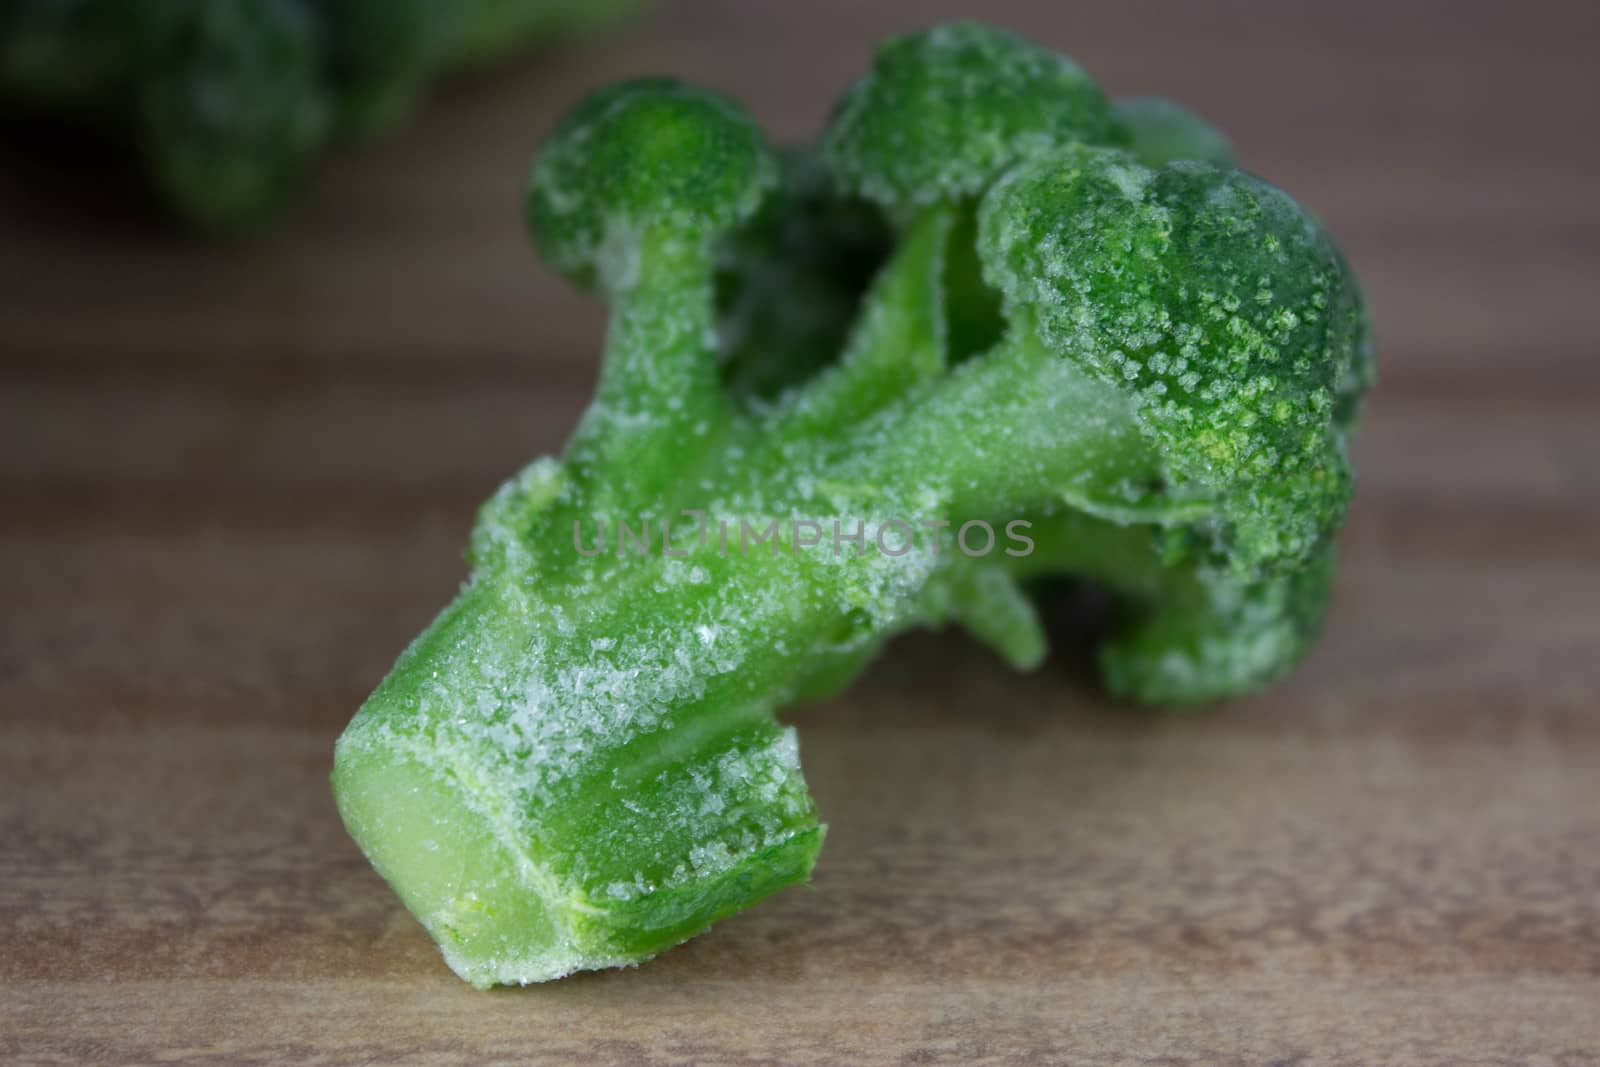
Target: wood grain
236,480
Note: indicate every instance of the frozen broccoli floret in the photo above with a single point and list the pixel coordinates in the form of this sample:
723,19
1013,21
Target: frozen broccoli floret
1143,376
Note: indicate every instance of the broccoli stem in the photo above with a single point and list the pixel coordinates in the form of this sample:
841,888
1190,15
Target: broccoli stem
658,403
990,604
608,796
898,342
622,793
992,438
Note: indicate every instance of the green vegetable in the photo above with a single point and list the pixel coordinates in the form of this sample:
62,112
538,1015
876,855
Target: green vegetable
1046,358
229,101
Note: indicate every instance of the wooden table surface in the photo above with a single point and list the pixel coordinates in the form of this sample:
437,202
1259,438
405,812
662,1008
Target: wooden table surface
234,482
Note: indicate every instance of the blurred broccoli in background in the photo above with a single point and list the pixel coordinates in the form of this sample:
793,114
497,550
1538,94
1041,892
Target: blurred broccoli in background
228,101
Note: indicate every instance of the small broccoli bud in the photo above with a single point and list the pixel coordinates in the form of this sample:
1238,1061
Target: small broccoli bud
1182,630
630,192
1216,302
1210,636
941,113
1162,131
648,158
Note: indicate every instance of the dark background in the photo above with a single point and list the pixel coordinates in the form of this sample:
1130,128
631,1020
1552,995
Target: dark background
235,480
